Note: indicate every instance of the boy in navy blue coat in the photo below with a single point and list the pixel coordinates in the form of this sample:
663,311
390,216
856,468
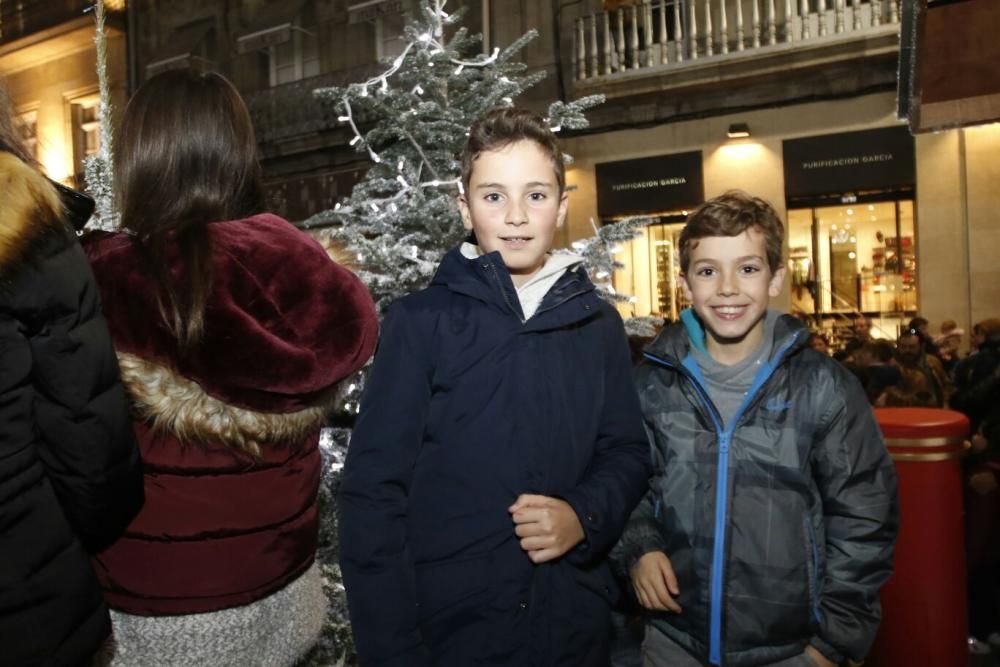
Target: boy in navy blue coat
500,447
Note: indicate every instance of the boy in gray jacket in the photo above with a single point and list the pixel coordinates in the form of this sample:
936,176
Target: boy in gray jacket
771,518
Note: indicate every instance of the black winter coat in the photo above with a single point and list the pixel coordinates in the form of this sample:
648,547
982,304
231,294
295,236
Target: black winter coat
70,477
467,407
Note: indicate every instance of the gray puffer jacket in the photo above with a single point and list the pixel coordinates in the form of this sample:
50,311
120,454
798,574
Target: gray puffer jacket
781,528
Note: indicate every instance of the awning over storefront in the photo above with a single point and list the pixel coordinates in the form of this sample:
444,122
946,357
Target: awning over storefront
661,184
271,26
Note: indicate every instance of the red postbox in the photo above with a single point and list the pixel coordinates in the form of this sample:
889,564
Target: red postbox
924,620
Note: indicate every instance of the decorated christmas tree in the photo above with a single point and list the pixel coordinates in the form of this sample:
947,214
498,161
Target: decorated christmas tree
97,168
412,121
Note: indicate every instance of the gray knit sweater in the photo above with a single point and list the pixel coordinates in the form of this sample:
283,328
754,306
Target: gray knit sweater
276,631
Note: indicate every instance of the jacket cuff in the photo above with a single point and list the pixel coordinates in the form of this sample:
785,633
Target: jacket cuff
641,536
590,522
828,651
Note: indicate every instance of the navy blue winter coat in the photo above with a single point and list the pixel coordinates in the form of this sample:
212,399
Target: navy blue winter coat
467,407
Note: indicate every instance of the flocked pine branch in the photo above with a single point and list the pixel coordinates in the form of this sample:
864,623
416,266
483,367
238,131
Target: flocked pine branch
97,168
599,250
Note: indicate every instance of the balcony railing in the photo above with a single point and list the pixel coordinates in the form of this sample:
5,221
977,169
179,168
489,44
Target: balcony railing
19,19
668,34
291,109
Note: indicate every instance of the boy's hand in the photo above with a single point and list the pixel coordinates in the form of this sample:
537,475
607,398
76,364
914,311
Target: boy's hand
818,658
654,582
548,527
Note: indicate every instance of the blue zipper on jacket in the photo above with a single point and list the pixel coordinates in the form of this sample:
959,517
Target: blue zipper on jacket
689,368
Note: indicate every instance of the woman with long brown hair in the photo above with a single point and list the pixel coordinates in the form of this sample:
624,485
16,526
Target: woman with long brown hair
232,330
70,476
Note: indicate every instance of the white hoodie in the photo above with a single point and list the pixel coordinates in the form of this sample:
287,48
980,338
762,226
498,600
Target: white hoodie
531,293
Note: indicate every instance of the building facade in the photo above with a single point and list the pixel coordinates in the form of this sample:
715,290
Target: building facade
48,60
795,102
792,100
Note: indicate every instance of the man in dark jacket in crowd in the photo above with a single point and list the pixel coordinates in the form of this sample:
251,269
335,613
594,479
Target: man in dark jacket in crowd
499,449
70,476
771,518
924,381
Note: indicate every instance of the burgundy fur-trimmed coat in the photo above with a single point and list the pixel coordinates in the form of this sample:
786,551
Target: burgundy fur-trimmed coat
229,433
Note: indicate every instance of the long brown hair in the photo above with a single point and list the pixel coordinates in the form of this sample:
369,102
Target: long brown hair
11,139
185,156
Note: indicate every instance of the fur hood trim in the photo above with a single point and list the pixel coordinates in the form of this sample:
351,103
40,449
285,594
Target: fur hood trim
30,210
179,406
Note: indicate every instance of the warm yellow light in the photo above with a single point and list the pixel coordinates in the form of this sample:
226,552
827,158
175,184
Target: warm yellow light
741,149
56,157
114,5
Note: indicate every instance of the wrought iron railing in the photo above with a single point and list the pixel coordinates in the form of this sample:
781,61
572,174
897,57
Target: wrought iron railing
292,109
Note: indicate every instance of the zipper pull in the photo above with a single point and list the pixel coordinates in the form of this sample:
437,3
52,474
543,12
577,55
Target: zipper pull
724,442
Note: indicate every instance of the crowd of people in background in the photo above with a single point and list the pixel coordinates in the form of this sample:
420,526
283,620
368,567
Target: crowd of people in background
920,369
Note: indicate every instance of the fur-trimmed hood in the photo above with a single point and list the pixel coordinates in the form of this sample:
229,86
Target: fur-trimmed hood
283,322
30,211
177,405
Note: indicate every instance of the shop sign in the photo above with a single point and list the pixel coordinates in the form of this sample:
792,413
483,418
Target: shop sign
665,183
880,159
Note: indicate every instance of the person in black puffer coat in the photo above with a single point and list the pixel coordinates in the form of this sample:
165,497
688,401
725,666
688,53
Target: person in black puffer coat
70,475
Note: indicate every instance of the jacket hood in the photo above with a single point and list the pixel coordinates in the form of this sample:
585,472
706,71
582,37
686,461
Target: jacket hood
283,323
30,211
675,341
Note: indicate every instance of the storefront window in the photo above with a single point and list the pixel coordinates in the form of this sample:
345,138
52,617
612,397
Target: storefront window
856,258
801,265
652,272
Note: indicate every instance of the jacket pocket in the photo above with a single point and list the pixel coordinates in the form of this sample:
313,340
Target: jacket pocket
451,596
